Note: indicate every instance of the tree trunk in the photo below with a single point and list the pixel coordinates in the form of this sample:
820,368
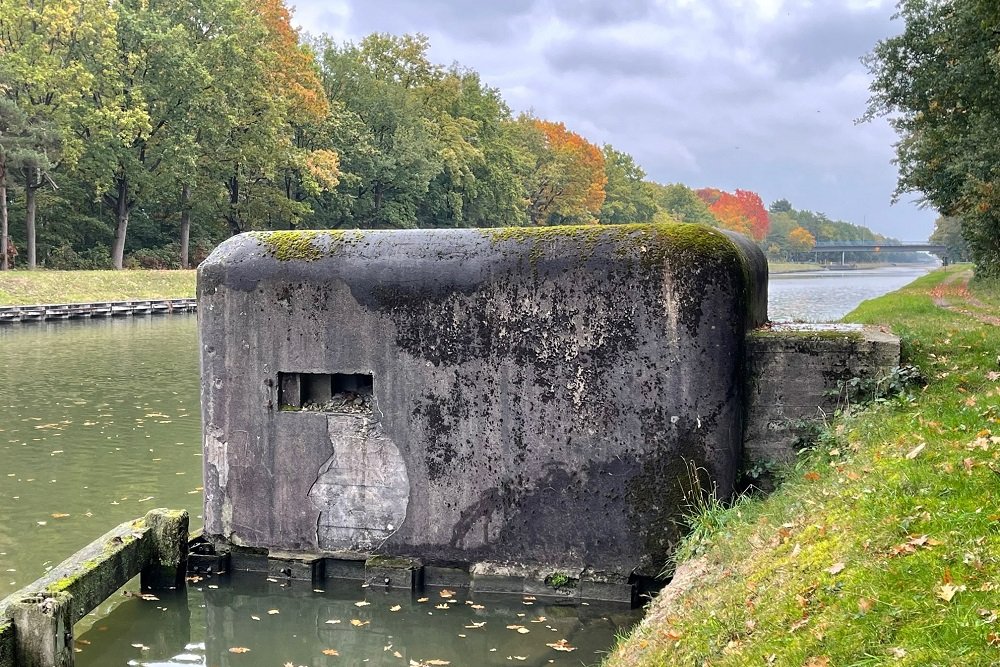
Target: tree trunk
30,206
5,261
121,211
185,224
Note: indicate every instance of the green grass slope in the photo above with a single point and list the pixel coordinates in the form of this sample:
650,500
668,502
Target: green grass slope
882,545
19,288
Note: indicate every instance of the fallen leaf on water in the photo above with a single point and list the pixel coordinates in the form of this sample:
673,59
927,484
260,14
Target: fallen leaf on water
475,606
272,612
475,625
256,618
59,515
363,603
422,599
446,593
333,621
443,605
239,649
330,651
358,622
561,645
395,607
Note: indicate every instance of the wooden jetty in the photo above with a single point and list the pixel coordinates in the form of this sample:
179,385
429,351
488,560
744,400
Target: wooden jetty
76,311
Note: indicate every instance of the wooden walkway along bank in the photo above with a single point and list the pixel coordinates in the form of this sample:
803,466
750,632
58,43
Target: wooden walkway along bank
76,311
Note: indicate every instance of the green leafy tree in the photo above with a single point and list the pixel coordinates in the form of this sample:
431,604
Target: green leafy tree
939,84
628,198
948,232
683,204
44,51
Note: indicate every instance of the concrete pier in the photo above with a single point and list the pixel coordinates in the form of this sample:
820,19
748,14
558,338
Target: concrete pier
36,622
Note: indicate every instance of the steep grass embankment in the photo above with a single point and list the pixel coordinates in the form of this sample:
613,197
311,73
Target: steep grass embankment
882,546
20,288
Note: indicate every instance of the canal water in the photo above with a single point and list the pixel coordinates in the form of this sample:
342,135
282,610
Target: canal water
826,296
99,422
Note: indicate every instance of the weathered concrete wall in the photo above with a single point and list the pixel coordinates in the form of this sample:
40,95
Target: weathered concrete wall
794,377
36,622
536,392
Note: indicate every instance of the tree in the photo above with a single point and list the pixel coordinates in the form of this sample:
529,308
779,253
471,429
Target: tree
780,206
939,84
566,184
800,240
45,47
948,232
682,204
741,212
628,198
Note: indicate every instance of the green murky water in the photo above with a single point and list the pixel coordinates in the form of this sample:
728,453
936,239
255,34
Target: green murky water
251,621
99,422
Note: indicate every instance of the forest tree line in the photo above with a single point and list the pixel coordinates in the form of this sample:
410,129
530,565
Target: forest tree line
136,133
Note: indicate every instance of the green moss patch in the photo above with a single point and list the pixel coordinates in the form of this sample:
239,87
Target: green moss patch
306,245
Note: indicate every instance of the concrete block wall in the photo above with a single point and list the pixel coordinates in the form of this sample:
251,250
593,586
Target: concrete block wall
793,375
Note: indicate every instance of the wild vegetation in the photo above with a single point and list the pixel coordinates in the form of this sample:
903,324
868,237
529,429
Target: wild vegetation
137,134
882,544
938,83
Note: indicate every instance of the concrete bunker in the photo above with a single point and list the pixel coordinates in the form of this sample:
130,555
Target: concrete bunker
511,402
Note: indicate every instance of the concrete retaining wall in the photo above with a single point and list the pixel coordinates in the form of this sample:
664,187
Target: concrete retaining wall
36,622
797,376
520,396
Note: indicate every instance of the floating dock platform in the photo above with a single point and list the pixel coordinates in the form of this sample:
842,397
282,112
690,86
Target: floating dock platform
77,311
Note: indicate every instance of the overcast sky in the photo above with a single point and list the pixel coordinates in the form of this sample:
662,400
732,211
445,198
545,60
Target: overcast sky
753,94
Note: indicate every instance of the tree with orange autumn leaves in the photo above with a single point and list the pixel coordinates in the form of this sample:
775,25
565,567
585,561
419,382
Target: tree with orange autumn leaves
741,212
207,118
567,183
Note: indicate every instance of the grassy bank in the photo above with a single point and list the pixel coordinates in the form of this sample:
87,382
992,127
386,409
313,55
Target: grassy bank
791,267
882,546
37,287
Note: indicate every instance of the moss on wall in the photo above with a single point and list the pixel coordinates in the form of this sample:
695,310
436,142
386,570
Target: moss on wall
306,245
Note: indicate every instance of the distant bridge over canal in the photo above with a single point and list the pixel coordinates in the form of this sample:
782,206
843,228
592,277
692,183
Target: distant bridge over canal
844,247
871,246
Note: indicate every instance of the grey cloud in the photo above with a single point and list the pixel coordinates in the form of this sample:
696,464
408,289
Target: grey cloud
602,12
491,22
811,43
730,100
605,58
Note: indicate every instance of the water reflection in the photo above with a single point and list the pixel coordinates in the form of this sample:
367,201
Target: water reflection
345,624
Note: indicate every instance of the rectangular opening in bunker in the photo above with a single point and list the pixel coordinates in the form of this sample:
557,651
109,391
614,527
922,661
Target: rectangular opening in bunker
325,392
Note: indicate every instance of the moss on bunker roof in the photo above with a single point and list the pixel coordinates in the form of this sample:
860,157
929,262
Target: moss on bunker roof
307,244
